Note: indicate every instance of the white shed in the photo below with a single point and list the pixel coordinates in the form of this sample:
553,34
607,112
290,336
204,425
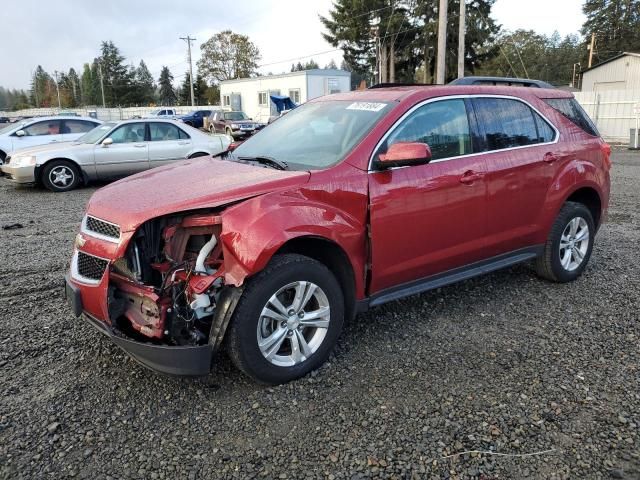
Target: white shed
252,95
621,72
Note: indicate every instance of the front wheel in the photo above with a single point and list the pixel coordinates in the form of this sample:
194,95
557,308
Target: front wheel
287,321
60,176
569,245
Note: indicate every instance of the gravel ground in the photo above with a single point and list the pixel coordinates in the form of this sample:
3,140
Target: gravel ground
548,375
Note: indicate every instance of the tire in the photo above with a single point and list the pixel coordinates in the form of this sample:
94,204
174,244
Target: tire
66,173
566,264
228,132
283,276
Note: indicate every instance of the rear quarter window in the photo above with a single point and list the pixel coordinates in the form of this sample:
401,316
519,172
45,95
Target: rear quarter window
570,108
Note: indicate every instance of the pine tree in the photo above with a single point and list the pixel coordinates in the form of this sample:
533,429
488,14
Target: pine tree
116,75
616,24
144,84
166,92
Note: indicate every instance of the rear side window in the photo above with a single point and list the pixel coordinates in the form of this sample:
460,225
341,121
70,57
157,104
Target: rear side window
510,123
570,108
77,126
443,125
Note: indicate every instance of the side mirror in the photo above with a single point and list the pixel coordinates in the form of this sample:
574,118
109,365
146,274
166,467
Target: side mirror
20,133
107,141
403,154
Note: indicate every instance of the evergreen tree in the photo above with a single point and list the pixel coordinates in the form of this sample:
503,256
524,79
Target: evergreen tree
616,24
184,91
144,84
200,89
116,75
166,92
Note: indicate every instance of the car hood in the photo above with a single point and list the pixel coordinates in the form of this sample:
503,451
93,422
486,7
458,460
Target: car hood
197,183
49,147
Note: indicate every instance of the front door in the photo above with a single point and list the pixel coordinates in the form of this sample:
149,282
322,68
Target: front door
39,133
128,154
427,219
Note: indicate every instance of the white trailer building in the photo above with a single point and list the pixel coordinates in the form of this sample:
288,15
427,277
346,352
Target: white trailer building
621,72
252,95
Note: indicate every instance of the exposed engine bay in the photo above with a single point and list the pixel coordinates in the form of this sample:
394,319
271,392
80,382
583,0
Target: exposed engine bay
168,285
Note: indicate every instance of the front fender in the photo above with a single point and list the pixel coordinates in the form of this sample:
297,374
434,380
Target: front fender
254,230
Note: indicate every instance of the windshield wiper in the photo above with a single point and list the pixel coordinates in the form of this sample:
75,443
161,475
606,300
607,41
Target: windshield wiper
273,162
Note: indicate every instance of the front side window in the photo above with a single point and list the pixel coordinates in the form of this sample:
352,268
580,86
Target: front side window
443,125
163,131
509,123
50,127
128,133
96,134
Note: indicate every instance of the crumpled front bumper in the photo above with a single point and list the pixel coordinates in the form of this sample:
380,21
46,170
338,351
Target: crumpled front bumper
171,360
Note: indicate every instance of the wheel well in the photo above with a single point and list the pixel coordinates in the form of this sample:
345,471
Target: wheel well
3,155
590,199
334,258
198,154
40,169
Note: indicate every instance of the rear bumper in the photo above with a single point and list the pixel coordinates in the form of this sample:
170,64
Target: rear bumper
166,359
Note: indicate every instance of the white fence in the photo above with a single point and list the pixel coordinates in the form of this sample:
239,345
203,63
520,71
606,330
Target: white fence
103,113
614,112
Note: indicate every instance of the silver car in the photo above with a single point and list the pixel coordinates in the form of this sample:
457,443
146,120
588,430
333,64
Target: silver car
42,131
111,150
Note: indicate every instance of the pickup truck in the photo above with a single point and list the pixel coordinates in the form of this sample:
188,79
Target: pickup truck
162,113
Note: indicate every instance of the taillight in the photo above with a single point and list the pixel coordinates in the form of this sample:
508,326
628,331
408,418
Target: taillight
606,152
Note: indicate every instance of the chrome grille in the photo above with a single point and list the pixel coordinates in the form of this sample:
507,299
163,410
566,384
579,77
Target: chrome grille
102,228
91,267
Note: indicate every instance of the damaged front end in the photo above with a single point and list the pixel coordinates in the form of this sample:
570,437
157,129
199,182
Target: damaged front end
166,299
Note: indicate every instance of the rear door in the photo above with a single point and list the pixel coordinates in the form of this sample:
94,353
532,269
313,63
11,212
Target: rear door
74,129
427,219
39,133
128,154
523,156
167,144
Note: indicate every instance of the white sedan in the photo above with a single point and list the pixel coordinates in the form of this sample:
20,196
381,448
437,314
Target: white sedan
42,131
111,150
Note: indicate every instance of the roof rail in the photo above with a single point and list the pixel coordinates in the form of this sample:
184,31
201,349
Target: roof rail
512,82
398,84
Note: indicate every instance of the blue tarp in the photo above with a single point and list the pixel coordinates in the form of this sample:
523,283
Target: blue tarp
282,103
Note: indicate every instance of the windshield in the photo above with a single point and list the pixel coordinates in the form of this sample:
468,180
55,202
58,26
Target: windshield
315,135
92,136
12,126
235,116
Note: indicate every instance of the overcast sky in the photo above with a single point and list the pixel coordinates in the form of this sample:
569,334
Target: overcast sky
63,34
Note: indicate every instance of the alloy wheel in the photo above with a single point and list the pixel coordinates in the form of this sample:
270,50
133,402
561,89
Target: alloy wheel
61,176
293,323
574,243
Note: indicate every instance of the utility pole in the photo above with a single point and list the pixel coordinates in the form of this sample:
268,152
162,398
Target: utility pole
35,87
592,46
461,29
58,90
573,78
188,39
442,42
104,104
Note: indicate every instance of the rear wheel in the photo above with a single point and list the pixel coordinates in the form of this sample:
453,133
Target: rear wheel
228,131
287,321
60,176
569,245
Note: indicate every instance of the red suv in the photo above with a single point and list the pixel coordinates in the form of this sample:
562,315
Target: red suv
349,201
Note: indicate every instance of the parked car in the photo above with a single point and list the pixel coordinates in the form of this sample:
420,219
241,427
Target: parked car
196,119
234,124
162,113
5,120
43,130
113,150
346,203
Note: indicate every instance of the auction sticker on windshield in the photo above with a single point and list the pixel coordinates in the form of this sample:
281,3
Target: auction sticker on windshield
368,106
